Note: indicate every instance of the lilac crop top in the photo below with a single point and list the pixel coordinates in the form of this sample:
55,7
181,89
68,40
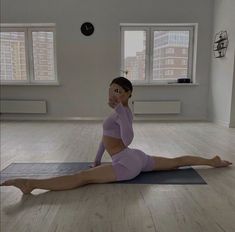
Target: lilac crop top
117,125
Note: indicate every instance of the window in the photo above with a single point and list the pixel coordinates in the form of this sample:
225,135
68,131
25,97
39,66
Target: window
168,50
169,72
184,51
135,53
28,54
184,62
169,61
158,53
183,72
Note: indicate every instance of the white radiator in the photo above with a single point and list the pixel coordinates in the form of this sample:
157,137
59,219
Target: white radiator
156,107
23,106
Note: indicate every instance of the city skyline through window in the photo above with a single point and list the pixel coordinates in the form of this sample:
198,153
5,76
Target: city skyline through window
13,59
134,53
28,54
169,59
164,56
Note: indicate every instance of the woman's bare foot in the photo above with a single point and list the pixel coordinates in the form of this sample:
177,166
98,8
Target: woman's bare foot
218,163
22,184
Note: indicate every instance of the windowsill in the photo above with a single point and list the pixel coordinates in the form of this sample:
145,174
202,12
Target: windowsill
31,84
165,84
134,84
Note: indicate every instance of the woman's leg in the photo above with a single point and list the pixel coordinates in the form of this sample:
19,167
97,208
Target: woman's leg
100,174
163,163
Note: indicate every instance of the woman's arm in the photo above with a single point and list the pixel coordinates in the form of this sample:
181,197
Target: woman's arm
125,124
99,153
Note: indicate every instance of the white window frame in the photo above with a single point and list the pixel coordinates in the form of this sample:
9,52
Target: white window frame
147,49
28,29
150,28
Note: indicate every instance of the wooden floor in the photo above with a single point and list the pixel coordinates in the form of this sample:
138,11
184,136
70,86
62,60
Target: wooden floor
120,207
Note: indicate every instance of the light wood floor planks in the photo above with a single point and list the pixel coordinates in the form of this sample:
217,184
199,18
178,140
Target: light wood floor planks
117,207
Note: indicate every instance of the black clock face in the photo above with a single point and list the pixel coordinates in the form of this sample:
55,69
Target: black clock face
87,29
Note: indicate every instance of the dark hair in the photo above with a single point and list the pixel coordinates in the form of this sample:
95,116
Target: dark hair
124,83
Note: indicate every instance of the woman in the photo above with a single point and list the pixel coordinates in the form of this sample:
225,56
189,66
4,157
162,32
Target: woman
127,162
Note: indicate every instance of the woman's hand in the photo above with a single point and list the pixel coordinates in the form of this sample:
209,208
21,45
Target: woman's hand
95,164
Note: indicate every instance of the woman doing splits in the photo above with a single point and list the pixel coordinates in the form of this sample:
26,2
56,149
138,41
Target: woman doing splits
127,162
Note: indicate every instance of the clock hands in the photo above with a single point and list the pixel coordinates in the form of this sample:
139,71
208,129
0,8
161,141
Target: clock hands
89,28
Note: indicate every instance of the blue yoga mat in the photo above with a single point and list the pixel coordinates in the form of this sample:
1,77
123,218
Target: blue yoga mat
184,175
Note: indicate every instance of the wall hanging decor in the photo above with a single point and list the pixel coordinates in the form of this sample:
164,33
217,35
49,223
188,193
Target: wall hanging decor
87,28
220,44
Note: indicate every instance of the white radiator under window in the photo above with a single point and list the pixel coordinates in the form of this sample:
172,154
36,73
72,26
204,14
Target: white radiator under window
157,107
23,106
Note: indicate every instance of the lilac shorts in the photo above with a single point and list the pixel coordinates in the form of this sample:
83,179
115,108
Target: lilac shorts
129,162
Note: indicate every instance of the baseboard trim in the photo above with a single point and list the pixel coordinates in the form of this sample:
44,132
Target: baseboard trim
221,123
95,119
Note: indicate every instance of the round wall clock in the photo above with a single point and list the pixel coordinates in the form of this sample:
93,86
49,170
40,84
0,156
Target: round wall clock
87,28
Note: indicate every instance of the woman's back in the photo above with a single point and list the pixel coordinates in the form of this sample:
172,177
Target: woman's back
117,130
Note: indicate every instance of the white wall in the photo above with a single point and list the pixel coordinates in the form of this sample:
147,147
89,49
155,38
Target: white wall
222,87
232,116
86,65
